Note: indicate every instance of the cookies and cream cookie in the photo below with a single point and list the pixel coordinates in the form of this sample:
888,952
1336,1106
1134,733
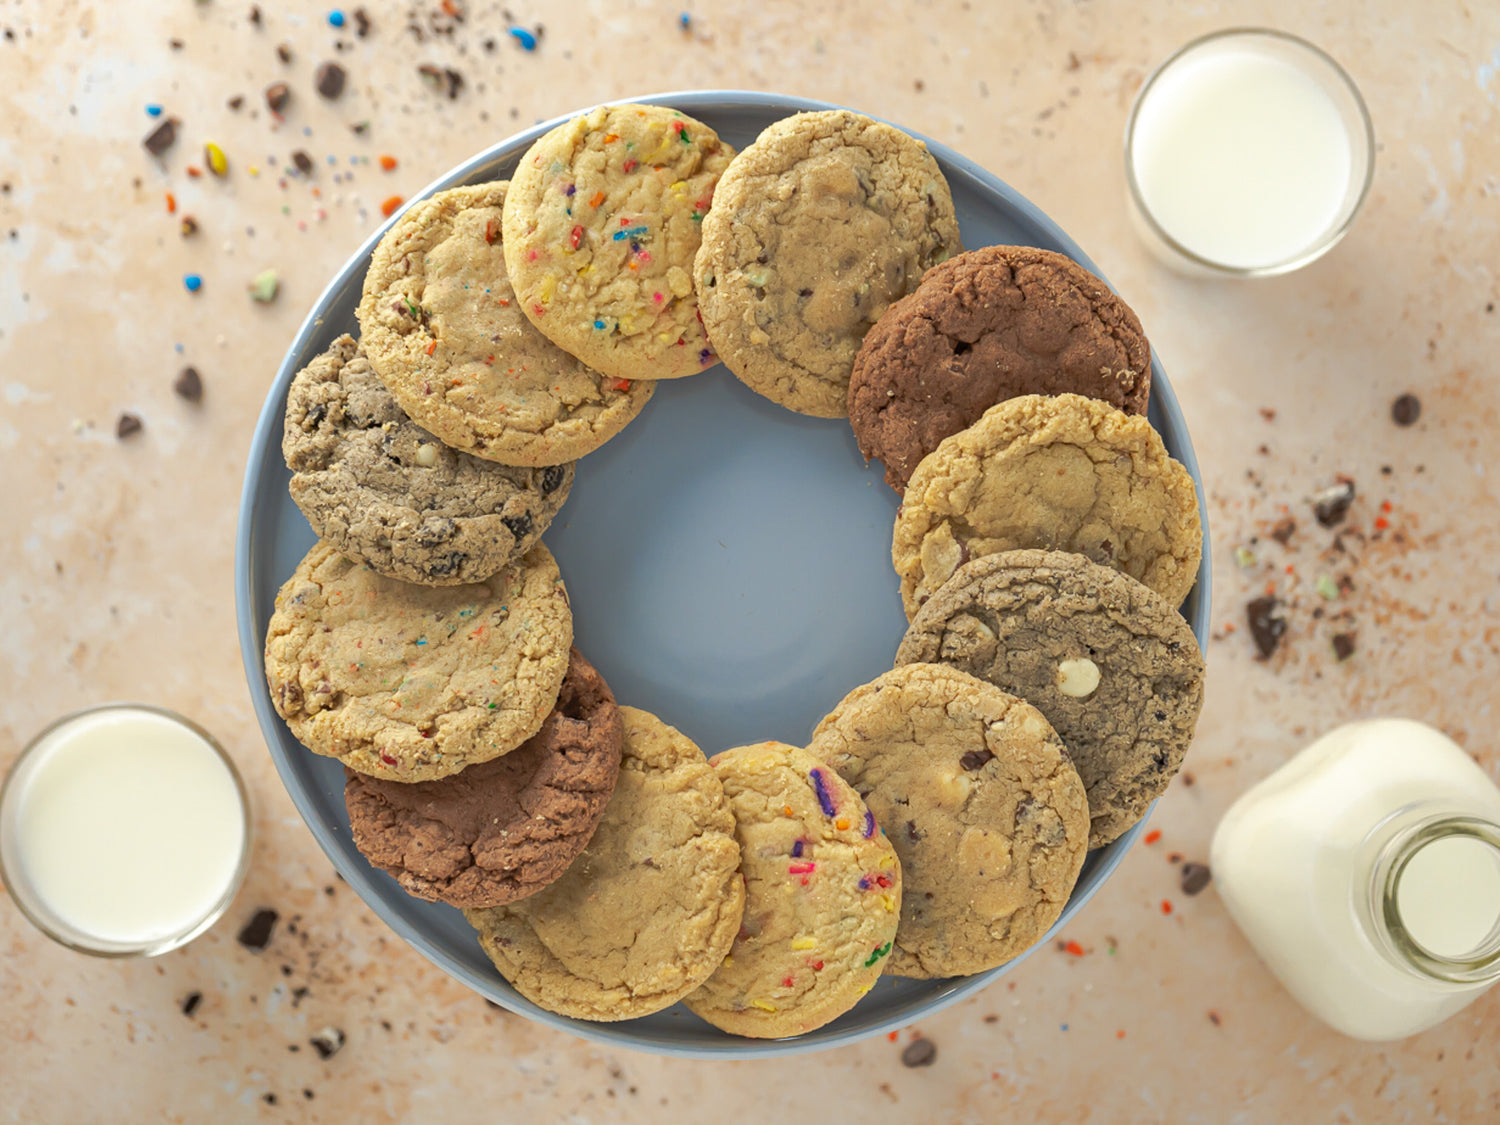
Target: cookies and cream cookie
648,910
985,326
602,222
822,896
443,327
414,682
503,829
981,803
384,490
816,229
1062,473
1110,663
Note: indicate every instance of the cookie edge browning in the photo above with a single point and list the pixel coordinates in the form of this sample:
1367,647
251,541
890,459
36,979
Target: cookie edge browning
599,1009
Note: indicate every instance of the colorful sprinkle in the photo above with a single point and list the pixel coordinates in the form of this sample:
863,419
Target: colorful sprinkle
575,237
1166,906
387,759
387,163
841,823
335,18
797,850
801,868
265,285
825,799
869,824
154,110
684,21
171,203
599,324
1073,949
1153,836
630,165
629,232
523,37
619,384
879,952
764,1007
571,190
214,157
802,943
388,208
596,199
787,982
193,282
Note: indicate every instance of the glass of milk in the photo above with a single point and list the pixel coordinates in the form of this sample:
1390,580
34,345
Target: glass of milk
1248,153
124,831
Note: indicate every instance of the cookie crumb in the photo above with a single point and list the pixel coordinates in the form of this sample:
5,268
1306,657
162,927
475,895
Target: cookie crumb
1406,410
127,426
237,101
1195,876
920,1052
277,95
329,80
1343,646
1283,530
190,1003
1214,1018
1267,624
327,1042
256,933
1331,505
189,385
284,52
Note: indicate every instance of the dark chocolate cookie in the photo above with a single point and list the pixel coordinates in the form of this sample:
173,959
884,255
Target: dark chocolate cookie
503,829
1110,663
982,327
386,492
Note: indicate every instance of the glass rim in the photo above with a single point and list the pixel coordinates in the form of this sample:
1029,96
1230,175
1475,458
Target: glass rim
1324,243
104,948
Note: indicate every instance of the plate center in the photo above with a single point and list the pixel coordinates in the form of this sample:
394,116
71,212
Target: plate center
729,565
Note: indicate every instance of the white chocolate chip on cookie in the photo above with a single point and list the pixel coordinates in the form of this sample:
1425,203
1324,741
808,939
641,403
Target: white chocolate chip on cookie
1077,676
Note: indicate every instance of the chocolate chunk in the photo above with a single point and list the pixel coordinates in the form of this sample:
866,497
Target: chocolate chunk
361,28
303,162
1406,410
190,1003
127,425
256,933
1331,505
284,52
519,526
911,831
975,759
327,1042
919,1052
306,1093
1267,624
162,137
176,44
1283,530
552,478
1343,646
255,14
1195,876
329,79
189,226
455,82
277,95
237,101
189,385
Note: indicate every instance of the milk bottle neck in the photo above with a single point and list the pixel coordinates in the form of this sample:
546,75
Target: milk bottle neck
1428,915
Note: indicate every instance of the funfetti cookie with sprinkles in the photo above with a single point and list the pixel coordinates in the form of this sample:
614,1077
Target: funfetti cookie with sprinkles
822,896
413,683
602,222
443,329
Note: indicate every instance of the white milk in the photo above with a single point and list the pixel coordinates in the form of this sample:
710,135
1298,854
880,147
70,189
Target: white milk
1374,820
1241,157
123,829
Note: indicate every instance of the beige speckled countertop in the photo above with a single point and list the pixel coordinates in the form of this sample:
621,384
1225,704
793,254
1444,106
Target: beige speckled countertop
117,556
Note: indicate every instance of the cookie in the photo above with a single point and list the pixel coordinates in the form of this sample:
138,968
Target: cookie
822,896
1110,663
384,490
414,683
816,229
983,327
503,829
1063,473
601,225
985,811
444,329
648,910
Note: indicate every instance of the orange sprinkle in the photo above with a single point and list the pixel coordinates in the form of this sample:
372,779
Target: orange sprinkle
1381,523
388,208
489,360
892,1036
317,193
504,302
1153,836
596,199
450,8
171,203
1385,506
1290,569
1120,1034
388,163
624,385
786,810
1166,907
610,138
841,823
194,171
1229,627
1074,949
432,347
1270,589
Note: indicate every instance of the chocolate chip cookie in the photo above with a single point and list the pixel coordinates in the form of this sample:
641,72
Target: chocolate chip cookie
822,896
985,326
601,224
1109,662
444,330
983,807
816,229
1059,473
387,492
649,908
503,829
414,683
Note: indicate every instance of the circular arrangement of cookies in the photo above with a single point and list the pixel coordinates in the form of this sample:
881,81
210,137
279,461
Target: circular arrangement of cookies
938,817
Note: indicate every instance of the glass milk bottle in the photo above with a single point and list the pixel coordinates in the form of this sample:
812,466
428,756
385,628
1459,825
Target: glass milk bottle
1366,874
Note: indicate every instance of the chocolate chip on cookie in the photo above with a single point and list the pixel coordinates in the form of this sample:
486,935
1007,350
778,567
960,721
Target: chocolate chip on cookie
983,327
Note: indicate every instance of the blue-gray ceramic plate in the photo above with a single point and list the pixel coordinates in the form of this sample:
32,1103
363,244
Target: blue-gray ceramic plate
729,567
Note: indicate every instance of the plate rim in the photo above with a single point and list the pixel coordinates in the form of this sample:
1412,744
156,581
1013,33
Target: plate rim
361,879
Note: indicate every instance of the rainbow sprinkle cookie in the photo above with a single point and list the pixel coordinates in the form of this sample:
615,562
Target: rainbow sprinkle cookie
985,810
602,222
646,913
822,896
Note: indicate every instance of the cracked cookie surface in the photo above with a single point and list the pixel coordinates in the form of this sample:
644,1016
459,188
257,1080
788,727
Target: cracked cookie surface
1061,473
443,327
985,326
416,682
380,487
602,221
816,228
1111,664
982,804
822,896
503,829
649,908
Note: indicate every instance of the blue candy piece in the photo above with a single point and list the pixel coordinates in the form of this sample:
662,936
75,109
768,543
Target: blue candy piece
524,37
193,282
336,18
154,110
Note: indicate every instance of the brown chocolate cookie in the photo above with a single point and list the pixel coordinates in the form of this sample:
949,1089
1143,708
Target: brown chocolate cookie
982,327
502,829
